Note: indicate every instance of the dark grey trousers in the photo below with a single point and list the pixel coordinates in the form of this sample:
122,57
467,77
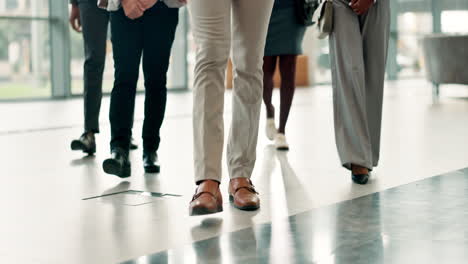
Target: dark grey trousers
94,23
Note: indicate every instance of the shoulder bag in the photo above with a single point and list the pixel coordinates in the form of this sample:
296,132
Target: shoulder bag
324,18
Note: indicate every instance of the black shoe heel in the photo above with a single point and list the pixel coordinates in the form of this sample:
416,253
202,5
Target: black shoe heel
77,145
152,169
150,162
112,166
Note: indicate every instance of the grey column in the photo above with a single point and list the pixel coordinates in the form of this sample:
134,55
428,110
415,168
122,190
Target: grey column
60,49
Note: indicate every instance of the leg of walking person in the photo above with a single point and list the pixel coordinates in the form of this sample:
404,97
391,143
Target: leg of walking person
269,67
249,29
349,90
127,39
211,20
358,67
160,23
288,87
211,30
94,22
284,40
375,32
95,25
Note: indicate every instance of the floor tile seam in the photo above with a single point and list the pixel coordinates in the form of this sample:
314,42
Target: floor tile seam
107,124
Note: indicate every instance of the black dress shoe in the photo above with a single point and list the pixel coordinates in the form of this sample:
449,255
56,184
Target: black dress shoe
150,162
118,164
85,143
360,178
133,145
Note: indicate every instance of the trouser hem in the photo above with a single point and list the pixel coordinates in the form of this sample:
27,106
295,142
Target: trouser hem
347,165
198,180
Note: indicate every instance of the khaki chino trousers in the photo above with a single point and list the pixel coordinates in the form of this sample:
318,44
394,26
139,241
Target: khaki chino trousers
220,26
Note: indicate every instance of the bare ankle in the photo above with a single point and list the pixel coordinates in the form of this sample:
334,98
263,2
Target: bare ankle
270,111
357,169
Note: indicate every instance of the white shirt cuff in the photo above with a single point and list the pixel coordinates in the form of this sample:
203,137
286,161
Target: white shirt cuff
173,3
113,5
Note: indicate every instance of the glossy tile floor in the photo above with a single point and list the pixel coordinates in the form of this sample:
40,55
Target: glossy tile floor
422,222
46,220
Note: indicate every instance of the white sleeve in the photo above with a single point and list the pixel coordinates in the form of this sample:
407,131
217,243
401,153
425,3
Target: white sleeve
113,5
173,3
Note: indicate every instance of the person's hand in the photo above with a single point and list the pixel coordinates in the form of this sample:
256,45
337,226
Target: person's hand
75,20
147,4
361,7
133,8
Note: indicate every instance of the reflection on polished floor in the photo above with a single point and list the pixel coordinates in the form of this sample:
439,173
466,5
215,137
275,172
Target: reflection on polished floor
422,222
311,212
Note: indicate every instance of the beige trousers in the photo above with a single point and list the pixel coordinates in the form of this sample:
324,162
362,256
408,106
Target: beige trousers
217,25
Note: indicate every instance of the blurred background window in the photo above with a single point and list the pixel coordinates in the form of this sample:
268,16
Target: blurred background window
24,49
29,29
